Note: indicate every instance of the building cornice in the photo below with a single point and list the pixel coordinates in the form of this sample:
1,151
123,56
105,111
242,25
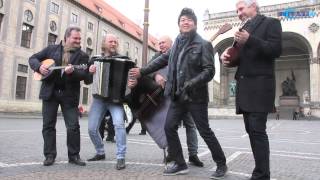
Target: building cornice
216,20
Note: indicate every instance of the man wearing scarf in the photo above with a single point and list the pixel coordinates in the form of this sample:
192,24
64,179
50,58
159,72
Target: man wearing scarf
62,87
190,67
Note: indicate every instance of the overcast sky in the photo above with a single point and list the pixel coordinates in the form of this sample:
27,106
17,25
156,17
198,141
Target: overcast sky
163,15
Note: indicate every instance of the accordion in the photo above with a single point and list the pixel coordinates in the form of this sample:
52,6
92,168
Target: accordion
110,79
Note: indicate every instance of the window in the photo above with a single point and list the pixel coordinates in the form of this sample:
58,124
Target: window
89,51
104,33
21,87
54,8
136,51
74,18
22,68
89,41
53,26
90,26
85,95
126,47
1,18
52,39
28,16
26,35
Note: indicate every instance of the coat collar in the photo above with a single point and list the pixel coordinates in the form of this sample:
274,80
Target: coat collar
256,21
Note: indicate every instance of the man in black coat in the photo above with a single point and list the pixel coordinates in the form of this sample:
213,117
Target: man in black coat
190,67
260,43
62,87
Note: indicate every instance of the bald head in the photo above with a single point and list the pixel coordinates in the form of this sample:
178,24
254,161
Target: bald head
110,45
165,43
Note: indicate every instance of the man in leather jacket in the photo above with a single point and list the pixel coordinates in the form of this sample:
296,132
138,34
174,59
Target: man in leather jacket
190,67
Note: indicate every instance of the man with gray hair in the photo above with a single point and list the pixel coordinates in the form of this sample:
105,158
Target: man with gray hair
260,42
61,87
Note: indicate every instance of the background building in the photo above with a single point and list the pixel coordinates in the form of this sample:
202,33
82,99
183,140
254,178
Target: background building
27,26
300,22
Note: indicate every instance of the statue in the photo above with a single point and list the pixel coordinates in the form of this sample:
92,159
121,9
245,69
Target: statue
306,97
288,86
232,88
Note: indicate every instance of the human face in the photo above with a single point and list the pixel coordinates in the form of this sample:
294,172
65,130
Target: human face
186,24
245,11
164,44
111,45
74,39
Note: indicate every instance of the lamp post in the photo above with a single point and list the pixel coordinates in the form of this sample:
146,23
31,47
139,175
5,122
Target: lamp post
98,27
145,33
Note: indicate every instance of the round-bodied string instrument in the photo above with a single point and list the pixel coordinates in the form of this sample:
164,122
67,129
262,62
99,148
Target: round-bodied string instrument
233,51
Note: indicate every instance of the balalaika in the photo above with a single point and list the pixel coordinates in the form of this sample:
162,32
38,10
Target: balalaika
110,79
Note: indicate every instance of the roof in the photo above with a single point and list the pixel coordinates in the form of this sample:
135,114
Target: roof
107,12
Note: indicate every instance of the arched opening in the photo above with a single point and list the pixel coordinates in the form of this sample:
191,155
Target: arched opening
295,57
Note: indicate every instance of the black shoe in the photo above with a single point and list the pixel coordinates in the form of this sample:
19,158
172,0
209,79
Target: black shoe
176,169
142,133
220,172
120,164
110,139
48,161
76,161
168,159
98,157
194,160
127,130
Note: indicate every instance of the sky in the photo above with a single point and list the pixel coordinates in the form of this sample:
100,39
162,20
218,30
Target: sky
163,14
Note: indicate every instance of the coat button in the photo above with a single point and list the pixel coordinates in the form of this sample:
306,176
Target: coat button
241,77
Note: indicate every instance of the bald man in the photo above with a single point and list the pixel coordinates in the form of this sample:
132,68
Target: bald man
100,106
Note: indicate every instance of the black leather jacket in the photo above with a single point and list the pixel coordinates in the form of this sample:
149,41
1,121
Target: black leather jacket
195,70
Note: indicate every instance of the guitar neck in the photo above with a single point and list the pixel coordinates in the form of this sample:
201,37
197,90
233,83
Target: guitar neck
214,37
62,67
57,67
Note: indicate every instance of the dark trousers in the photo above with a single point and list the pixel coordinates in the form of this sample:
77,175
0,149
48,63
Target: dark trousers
131,124
255,124
199,113
71,119
110,129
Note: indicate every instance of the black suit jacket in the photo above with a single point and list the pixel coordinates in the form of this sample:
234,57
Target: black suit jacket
255,74
71,82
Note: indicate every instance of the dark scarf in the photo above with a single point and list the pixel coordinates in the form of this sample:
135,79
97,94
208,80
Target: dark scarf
182,41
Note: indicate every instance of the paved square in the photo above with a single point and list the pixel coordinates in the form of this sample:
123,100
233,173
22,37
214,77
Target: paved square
294,147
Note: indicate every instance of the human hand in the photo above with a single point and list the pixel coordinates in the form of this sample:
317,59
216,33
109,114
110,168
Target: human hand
69,69
92,69
134,73
160,80
44,69
241,36
224,56
132,82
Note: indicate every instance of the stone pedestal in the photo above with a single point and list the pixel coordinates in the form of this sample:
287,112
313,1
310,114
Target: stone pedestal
289,101
287,106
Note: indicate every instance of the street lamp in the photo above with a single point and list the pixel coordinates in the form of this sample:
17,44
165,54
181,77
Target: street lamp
145,33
